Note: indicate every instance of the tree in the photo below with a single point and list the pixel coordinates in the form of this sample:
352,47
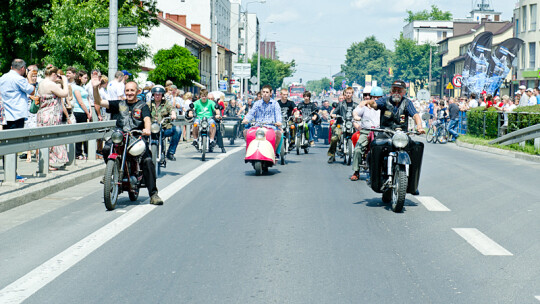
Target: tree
70,33
21,24
435,14
338,83
317,86
176,64
272,71
411,62
369,57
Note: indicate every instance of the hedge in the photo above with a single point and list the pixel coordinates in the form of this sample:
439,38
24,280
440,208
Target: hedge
521,117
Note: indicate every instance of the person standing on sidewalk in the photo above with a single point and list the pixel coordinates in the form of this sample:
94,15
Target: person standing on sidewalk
81,108
453,109
14,89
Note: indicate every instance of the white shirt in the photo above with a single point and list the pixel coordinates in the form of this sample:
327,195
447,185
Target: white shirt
473,103
532,101
115,90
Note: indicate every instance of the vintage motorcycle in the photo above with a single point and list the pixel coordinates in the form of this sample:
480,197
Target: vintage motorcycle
122,172
302,132
261,147
158,144
345,147
394,166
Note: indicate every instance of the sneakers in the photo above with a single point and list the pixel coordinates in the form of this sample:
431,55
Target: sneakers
331,159
312,143
354,177
156,200
223,150
171,157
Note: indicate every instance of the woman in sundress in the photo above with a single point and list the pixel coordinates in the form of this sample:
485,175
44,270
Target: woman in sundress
50,110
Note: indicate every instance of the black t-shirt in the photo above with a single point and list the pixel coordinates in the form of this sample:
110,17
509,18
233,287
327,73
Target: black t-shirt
289,104
344,107
453,109
114,108
308,108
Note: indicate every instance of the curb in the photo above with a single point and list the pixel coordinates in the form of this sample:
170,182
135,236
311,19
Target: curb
34,192
514,154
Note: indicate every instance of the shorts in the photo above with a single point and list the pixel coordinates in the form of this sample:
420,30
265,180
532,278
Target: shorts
210,121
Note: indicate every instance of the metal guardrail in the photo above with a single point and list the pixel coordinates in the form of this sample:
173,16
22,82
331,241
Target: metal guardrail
518,136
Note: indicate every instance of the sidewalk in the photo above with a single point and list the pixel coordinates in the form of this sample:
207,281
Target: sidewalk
514,154
35,187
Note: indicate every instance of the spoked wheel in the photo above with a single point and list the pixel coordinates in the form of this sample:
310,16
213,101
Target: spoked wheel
282,153
134,195
429,134
154,151
443,136
258,167
349,151
345,153
399,189
111,187
203,148
298,143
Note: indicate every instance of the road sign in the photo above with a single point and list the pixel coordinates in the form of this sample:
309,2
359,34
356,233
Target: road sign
253,79
223,85
344,83
449,86
242,70
423,95
457,81
127,38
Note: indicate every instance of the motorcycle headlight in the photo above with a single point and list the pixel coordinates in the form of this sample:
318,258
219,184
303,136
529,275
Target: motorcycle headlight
348,125
260,134
154,128
400,140
117,137
204,124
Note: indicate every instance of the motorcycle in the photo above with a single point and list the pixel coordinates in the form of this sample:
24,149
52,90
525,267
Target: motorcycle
260,147
302,133
158,145
122,171
345,147
287,125
230,128
390,166
204,134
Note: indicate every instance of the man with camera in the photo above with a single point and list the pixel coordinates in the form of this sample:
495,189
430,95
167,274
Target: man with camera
14,88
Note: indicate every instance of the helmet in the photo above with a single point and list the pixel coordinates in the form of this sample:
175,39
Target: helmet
376,92
137,147
158,89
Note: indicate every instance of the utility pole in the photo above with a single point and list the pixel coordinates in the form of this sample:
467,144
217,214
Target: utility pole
113,38
429,80
214,61
259,60
246,89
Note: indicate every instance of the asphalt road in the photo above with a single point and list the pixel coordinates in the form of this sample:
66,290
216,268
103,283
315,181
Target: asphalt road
303,233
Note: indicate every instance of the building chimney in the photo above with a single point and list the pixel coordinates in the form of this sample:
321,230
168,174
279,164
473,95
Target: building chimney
196,28
182,20
160,13
173,17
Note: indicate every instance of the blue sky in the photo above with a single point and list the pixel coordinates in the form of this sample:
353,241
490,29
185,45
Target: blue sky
317,33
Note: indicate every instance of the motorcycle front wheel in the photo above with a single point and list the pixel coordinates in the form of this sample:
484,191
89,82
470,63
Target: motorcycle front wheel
203,148
299,142
110,185
349,151
282,153
399,189
134,195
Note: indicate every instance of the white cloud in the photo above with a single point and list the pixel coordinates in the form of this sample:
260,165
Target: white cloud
284,17
362,4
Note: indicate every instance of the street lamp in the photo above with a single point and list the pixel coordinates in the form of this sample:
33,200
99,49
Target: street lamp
246,36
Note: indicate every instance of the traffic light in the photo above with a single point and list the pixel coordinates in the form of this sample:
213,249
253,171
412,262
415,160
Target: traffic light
300,80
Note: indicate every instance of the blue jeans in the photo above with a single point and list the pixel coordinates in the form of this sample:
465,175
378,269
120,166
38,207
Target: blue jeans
452,127
311,128
174,133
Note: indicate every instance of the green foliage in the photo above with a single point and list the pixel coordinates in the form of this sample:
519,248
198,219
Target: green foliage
411,62
317,86
337,83
480,120
21,24
523,117
70,33
272,71
369,57
475,140
435,14
176,64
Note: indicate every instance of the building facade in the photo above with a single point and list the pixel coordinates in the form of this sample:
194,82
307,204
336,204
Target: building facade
527,29
268,49
429,32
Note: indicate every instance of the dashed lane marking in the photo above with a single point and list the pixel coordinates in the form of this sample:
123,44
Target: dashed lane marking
481,242
431,203
42,275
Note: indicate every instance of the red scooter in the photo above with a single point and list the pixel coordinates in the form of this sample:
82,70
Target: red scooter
261,147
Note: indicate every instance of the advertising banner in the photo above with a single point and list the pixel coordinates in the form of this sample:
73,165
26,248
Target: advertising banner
476,64
501,62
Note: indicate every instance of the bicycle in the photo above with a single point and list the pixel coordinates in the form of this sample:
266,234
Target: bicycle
438,131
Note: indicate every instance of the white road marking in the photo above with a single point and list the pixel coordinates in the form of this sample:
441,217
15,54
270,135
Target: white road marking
481,242
537,297
431,203
36,279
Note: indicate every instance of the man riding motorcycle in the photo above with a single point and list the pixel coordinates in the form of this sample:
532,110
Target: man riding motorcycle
341,109
161,109
233,109
204,107
131,114
306,108
266,111
284,102
369,118
395,112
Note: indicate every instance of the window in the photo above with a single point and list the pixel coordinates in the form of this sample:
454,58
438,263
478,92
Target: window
524,18
533,17
522,66
532,55
516,29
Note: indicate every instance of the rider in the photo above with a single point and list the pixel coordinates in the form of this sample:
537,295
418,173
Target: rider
204,107
341,109
131,114
395,112
307,108
369,118
284,102
266,111
161,109
233,109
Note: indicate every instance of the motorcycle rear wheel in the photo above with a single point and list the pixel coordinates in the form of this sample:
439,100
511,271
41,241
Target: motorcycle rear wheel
110,185
258,167
134,195
399,189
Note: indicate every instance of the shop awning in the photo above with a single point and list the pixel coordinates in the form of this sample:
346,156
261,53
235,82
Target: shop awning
198,85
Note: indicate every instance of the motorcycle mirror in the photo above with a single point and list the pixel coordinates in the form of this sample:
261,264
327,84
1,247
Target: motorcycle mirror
334,105
191,106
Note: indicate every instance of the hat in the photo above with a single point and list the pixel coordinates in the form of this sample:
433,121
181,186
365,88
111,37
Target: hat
522,87
148,84
399,84
126,72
